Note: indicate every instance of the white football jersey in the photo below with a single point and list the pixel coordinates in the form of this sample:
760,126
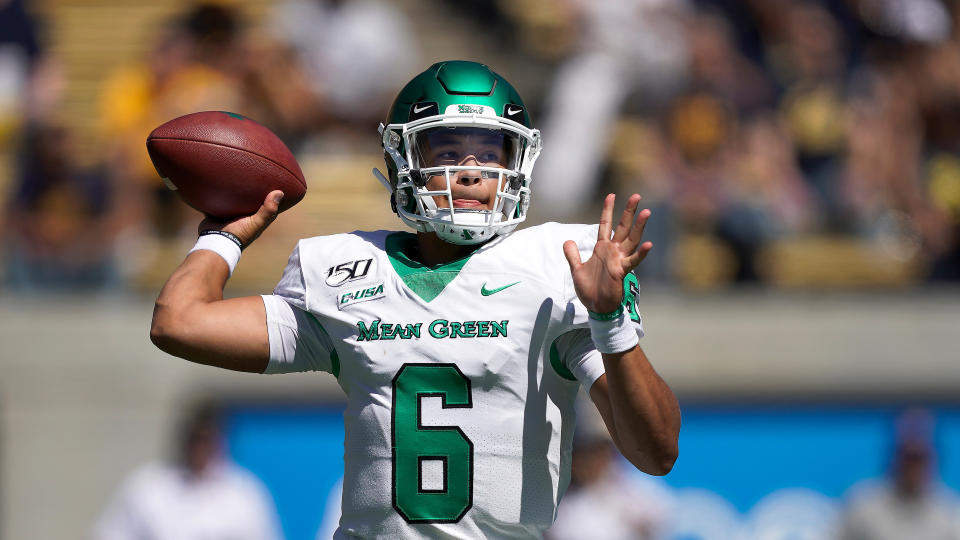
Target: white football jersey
460,379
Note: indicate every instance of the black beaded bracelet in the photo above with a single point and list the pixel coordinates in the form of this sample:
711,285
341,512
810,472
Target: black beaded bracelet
229,236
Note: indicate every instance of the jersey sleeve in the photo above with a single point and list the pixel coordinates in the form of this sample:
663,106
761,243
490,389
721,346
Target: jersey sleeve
575,357
298,341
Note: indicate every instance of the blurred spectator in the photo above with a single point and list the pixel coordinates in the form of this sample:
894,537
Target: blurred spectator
910,504
883,193
354,54
807,58
197,63
766,196
767,177
31,81
938,96
718,67
910,20
19,50
199,495
738,183
604,500
56,227
625,47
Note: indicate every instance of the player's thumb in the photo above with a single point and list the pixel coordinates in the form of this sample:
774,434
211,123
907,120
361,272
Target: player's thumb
262,219
573,254
270,208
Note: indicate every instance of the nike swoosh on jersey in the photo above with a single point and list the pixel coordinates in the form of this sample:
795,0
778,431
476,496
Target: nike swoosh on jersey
487,292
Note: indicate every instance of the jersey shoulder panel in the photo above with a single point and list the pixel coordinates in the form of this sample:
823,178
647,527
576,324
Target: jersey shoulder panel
321,262
541,246
324,250
548,236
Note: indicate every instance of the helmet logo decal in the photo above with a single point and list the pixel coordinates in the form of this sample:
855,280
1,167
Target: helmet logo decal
469,109
424,109
467,234
513,112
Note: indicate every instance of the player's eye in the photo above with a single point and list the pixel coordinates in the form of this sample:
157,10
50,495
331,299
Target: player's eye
448,156
489,157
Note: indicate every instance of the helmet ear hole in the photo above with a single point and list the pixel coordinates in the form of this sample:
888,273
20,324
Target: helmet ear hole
517,181
406,199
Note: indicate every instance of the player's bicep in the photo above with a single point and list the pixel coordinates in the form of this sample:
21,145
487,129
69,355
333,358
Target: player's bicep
230,334
297,340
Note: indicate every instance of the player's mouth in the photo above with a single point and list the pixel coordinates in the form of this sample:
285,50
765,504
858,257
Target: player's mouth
467,203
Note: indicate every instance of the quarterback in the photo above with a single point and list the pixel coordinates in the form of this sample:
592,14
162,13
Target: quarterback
460,346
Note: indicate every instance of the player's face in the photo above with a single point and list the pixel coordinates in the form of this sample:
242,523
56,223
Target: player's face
466,147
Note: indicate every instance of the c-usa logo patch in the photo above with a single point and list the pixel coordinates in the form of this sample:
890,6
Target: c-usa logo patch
348,271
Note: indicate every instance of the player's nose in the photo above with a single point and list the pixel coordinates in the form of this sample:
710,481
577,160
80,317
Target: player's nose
469,177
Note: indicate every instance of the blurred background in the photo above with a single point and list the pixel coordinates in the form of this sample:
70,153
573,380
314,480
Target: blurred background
801,158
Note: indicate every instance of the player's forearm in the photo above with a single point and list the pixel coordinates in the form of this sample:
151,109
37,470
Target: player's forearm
199,280
645,412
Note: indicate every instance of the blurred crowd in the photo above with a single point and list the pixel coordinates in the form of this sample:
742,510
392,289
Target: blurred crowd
748,122
759,120
320,73
608,499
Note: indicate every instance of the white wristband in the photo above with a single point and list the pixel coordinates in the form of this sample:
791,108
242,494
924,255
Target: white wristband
613,336
220,245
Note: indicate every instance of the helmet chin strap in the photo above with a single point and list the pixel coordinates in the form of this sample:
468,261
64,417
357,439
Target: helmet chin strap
456,221
472,227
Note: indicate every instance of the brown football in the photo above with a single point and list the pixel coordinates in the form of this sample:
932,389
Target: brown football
224,164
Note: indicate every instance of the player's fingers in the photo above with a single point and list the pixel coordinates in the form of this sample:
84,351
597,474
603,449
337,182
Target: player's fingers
606,217
573,254
635,258
636,231
626,218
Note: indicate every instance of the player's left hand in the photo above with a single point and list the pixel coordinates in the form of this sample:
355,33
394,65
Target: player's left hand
599,281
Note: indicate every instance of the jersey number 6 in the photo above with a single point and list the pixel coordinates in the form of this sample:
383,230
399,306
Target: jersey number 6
414,445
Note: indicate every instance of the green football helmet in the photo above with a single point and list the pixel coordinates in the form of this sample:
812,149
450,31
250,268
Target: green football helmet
452,113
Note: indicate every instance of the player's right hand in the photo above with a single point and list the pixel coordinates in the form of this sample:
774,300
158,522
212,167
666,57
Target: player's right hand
248,228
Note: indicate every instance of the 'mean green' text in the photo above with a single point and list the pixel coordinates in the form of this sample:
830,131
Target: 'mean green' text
439,329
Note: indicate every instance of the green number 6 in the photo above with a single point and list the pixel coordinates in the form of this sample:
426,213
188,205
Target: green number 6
413,444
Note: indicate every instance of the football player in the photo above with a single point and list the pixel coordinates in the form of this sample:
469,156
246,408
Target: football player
460,347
